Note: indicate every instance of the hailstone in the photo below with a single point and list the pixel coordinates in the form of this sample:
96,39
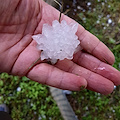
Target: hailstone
58,41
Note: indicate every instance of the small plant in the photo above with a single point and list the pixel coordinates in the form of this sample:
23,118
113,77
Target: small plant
27,100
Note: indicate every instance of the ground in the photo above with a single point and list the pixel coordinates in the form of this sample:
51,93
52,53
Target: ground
29,100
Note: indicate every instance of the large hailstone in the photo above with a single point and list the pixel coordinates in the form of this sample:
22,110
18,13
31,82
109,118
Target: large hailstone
58,41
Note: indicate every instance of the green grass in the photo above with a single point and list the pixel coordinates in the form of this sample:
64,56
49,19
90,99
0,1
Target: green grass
87,104
27,100
34,101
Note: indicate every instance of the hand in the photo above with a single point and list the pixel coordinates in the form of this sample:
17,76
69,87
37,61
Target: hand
20,19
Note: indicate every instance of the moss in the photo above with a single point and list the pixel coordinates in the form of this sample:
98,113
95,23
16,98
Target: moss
34,101
30,102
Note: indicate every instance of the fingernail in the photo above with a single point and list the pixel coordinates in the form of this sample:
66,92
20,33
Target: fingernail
82,87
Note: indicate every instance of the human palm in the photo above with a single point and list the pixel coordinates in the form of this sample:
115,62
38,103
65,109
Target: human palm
20,19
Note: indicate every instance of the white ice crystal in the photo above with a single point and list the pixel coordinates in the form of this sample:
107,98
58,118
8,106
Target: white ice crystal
58,41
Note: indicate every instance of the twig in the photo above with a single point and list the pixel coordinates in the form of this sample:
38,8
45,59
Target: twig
61,8
118,42
57,3
33,63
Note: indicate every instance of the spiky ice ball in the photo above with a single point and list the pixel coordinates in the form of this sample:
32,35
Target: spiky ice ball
58,41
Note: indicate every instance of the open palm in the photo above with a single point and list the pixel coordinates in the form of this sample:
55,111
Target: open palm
20,19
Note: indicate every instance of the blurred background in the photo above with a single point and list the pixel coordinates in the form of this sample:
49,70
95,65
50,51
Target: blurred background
29,100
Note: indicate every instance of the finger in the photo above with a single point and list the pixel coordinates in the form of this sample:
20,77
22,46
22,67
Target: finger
49,75
91,44
93,64
95,82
